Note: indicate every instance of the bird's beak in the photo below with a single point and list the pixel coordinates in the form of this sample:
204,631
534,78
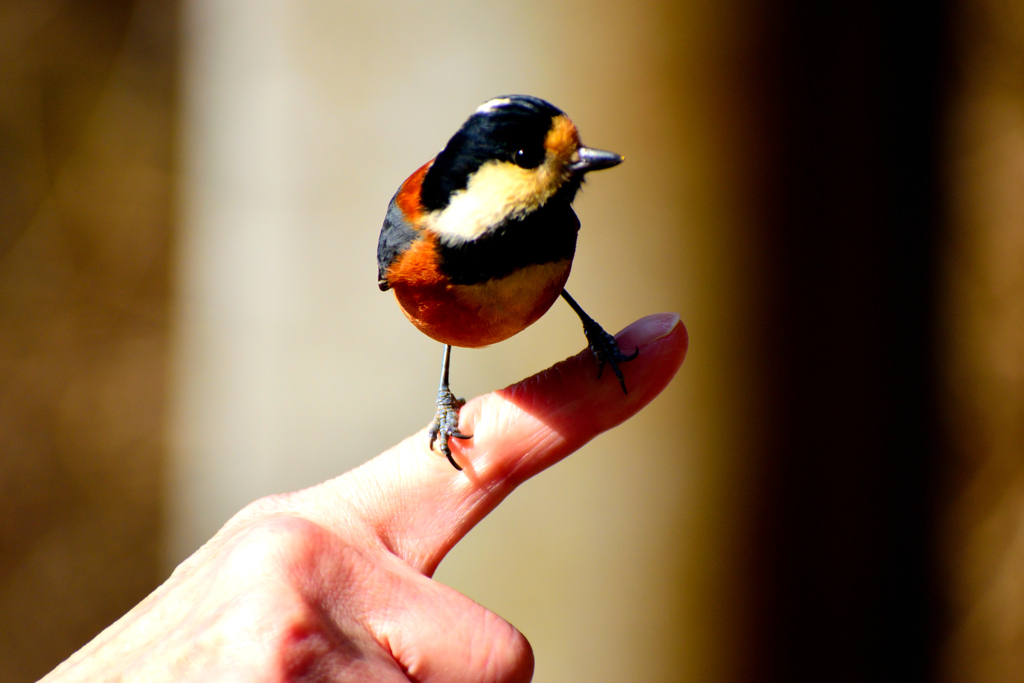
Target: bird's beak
593,160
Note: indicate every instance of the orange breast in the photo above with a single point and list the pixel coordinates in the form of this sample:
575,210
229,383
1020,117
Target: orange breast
477,315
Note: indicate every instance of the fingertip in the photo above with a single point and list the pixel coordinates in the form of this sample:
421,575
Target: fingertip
661,337
545,417
660,342
652,329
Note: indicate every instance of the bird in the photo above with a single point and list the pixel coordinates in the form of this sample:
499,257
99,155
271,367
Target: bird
477,244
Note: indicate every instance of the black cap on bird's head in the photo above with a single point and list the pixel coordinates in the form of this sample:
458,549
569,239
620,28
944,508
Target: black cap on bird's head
529,147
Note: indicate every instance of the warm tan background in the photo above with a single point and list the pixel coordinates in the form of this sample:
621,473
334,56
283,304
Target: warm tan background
300,120
190,195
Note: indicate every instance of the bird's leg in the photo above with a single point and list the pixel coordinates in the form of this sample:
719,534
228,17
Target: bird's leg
602,344
446,419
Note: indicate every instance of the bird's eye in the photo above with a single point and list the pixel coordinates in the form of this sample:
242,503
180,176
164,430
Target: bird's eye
526,159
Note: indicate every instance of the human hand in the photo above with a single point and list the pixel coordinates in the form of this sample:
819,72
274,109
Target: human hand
333,582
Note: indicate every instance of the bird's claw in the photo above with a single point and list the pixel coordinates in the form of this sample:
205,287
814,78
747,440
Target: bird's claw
606,351
446,423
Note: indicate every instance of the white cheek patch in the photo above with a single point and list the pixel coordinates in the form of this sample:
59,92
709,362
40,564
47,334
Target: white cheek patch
497,191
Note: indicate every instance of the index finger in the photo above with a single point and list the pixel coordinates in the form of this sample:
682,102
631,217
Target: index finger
420,506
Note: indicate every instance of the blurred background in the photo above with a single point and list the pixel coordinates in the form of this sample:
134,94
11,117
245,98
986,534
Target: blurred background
832,489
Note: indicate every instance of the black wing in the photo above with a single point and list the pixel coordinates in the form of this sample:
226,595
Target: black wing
395,237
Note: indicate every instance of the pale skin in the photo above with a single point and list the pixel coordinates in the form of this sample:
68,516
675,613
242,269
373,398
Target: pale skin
333,583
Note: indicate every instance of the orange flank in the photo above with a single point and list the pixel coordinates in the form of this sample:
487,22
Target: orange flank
477,315
418,266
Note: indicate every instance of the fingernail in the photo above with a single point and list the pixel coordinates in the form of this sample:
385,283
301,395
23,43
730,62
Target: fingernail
646,331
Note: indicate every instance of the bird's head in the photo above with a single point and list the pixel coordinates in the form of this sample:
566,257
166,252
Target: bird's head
512,156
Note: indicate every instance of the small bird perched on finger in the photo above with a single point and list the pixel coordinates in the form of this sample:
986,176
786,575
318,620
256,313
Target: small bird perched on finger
477,244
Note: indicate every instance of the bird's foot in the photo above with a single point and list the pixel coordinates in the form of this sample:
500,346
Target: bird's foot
606,350
446,423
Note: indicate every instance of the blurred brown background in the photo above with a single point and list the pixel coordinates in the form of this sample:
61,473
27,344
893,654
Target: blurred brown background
86,121
833,198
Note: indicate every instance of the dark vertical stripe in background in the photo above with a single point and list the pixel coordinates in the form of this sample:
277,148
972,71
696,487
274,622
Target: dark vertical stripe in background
846,102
